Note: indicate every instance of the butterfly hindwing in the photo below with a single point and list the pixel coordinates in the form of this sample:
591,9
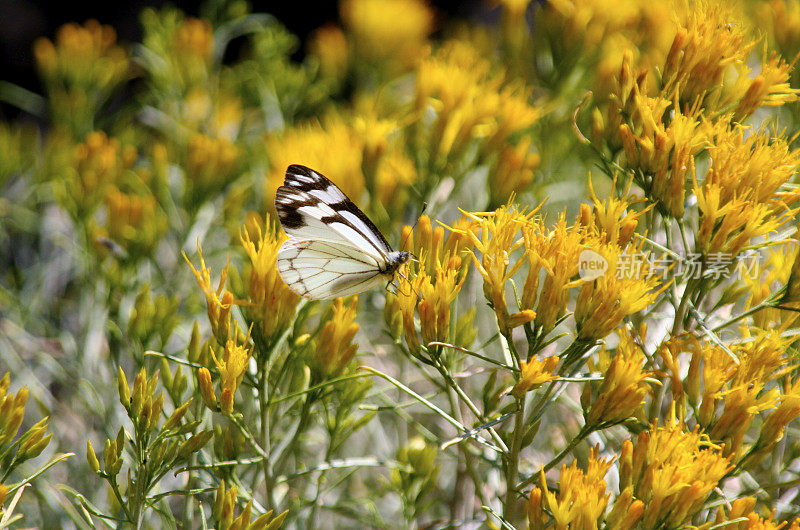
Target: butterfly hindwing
323,269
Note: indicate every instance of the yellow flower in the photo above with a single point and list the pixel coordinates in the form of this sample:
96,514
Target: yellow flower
662,150
751,164
534,374
727,228
431,295
332,147
225,503
210,164
80,70
497,242
99,162
135,222
430,288
329,45
756,522
672,471
231,367
472,105
513,170
431,242
581,498
271,304
219,304
742,196
774,426
624,388
387,32
769,88
436,296
614,218
728,396
556,251
710,39
779,269
334,347
12,410
605,301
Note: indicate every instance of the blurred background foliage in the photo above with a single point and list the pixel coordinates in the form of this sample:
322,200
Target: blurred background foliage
158,373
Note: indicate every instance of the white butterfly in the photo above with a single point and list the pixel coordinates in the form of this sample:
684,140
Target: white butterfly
333,249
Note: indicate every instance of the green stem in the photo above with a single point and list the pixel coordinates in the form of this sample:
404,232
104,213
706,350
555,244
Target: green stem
512,464
467,401
585,431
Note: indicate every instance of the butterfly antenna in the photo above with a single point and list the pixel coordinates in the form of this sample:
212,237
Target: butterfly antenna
421,212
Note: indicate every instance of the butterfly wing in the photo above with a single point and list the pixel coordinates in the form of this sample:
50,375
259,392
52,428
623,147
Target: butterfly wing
322,269
312,207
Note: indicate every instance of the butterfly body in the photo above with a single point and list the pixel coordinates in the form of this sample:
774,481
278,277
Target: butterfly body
333,249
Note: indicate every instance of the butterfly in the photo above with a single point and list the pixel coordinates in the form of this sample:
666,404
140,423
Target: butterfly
333,248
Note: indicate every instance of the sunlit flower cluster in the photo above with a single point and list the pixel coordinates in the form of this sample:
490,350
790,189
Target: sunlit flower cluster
80,70
728,387
271,304
624,387
390,33
99,163
469,101
671,470
432,285
579,501
333,349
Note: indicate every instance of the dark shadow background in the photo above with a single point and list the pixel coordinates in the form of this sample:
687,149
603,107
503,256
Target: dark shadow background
22,21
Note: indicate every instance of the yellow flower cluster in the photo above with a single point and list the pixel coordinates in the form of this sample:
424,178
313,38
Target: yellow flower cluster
389,33
333,346
670,470
498,240
776,271
231,367
473,105
728,396
533,374
271,304
218,303
99,162
430,289
624,387
743,194
30,444
80,70
579,501
135,222
662,119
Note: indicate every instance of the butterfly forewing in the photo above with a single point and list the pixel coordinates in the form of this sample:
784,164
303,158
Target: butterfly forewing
334,249
306,193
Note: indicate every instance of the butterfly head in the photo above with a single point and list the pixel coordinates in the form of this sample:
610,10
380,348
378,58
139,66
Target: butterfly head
396,259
